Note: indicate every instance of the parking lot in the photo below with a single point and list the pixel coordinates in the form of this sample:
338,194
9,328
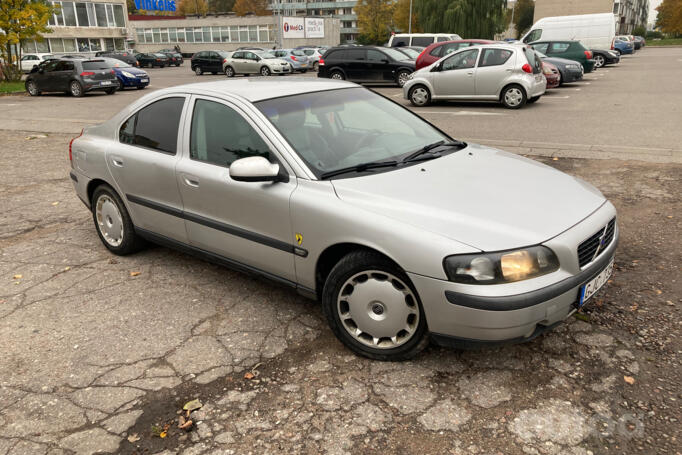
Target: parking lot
101,352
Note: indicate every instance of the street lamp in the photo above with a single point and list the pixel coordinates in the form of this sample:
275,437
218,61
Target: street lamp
409,24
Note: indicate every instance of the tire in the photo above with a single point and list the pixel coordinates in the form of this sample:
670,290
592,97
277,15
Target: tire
75,89
561,79
599,61
618,52
198,71
401,311
533,99
32,88
316,66
229,71
513,97
338,75
177,65
110,91
402,78
120,87
419,96
109,213
265,71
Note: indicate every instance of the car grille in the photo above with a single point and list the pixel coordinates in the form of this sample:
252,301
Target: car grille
594,245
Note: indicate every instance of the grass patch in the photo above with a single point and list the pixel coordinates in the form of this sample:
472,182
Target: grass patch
665,42
9,87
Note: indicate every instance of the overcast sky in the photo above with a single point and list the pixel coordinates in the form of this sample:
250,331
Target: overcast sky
652,10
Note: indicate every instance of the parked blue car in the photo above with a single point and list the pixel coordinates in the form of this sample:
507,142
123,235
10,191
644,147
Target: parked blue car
128,75
623,47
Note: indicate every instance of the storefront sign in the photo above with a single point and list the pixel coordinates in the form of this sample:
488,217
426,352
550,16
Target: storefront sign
155,5
294,27
314,27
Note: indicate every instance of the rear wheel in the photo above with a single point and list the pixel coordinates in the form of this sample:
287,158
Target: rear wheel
32,88
338,75
265,71
599,61
76,89
229,71
110,91
513,97
316,66
198,71
372,307
402,77
419,96
113,223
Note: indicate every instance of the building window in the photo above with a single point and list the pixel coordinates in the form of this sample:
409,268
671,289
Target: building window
83,45
181,35
263,34
140,36
207,34
69,45
157,35
148,35
164,35
225,34
253,33
101,12
243,33
56,45
92,19
109,44
118,16
82,14
58,17
234,34
95,45
110,15
28,46
216,34
189,32
173,35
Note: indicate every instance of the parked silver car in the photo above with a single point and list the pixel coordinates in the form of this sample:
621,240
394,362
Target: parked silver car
296,57
508,73
255,62
403,233
314,55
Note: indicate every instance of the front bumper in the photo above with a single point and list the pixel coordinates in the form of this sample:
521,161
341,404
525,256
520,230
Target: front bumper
134,82
516,311
571,75
280,69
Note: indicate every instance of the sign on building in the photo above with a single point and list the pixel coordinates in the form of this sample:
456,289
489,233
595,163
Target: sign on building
294,27
314,27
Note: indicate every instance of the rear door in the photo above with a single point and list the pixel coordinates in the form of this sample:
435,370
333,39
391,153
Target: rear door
456,77
143,166
356,65
252,63
238,62
378,65
214,62
494,67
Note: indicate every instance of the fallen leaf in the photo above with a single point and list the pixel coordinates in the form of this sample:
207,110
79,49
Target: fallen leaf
66,269
187,425
163,434
192,405
629,379
17,277
133,438
659,292
134,273
55,203
555,159
249,375
670,216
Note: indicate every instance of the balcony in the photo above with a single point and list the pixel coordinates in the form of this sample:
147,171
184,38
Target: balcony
347,17
321,5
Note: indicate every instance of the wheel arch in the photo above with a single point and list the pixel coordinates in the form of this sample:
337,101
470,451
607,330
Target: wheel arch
506,86
339,69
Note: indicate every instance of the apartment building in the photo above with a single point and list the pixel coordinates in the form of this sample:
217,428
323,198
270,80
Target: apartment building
339,9
629,13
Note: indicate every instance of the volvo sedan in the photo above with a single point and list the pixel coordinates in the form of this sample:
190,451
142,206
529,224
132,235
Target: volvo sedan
403,233
510,74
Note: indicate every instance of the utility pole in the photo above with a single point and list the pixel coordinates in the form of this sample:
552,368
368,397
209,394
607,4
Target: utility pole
511,23
409,24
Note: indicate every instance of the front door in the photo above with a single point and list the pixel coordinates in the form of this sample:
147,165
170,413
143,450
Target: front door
143,167
456,77
215,62
45,76
245,222
378,67
62,75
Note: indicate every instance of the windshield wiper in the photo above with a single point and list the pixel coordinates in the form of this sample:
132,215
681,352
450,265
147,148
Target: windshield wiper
428,149
359,168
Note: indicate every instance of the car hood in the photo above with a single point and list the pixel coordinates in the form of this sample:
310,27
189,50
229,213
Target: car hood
560,61
131,70
483,197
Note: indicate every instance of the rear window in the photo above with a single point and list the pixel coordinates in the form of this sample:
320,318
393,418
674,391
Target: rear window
422,41
494,57
92,65
401,41
355,54
533,60
299,53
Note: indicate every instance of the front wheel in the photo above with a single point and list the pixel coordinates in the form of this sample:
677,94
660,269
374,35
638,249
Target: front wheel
32,88
372,307
113,223
265,71
599,61
402,78
76,89
120,87
229,71
419,96
198,71
513,97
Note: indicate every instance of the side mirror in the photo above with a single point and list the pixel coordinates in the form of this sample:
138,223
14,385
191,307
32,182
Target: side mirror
254,169
384,60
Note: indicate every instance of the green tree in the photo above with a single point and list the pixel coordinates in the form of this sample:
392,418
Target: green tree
523,16
669,18
20,20
257,7
467,18
220,6
401,17
374,20
640,30
194,7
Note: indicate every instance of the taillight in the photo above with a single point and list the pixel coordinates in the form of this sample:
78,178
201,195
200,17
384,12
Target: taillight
158,59
224,60
321,62
526,68
87,73
420,55
588,54
293,58
71,147
113,72
613,44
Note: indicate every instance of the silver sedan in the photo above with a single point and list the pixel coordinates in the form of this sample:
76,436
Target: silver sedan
255,62
507,73
403,233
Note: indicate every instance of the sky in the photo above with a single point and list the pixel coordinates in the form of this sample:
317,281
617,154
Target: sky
652,10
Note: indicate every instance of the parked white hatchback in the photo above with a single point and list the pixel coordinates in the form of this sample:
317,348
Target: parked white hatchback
508,73
30,61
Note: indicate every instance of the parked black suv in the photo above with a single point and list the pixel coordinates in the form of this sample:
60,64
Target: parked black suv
371,64
174,58
152,60
72,76
209,62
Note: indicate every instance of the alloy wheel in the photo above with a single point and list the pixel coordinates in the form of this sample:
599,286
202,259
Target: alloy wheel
403,77
599,61
337,75
378,309
109,220
76,89
32,89
265,71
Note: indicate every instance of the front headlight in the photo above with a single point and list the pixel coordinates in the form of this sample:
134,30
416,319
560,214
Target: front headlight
573,67
501,267
127,74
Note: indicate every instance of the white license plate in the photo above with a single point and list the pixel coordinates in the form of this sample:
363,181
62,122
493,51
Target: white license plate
591,287
144,80
105,83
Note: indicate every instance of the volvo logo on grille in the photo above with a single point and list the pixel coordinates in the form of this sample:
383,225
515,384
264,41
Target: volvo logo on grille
602,242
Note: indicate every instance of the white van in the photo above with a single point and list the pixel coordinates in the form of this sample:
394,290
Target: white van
594,31
420,39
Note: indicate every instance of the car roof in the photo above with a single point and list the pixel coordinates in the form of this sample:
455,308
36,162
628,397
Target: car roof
259,89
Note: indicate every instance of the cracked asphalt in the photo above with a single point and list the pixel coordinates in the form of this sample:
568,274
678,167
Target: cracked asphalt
101,352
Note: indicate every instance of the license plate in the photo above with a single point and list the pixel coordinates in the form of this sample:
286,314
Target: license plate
144,80
591,287
105,83
538,78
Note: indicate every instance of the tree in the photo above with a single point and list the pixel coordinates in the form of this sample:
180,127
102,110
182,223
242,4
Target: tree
374,20
467,18
523,16
257,7
640,30
669,18
193,7
221,6
401,17
20,20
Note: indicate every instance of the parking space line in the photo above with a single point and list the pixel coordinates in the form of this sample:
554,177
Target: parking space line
420,111
553,97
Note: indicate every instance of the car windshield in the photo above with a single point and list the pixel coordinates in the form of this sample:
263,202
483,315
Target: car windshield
223,54
396,55
411,53
113,63
265,55
341,128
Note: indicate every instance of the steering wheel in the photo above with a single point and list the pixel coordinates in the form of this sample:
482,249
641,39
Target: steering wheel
368,139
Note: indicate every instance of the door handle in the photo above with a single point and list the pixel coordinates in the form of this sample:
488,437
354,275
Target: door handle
118,162
470,73
190,181
509,70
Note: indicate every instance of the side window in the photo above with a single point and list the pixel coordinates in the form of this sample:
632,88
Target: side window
375,56
154,126
402,41
450,48
338,55
533,36
251,56
239,55
558,48
51,66
443,38
462,60
422,41
494,57
355,54
542,48
220,135
64,66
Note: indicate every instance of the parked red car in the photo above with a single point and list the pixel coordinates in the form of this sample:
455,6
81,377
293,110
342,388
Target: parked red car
436,51
551,73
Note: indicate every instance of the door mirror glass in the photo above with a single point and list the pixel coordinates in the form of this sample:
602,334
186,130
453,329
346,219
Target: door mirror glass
254,169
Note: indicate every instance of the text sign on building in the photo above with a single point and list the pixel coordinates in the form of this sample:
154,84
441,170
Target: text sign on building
314,27
294,27
155,5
